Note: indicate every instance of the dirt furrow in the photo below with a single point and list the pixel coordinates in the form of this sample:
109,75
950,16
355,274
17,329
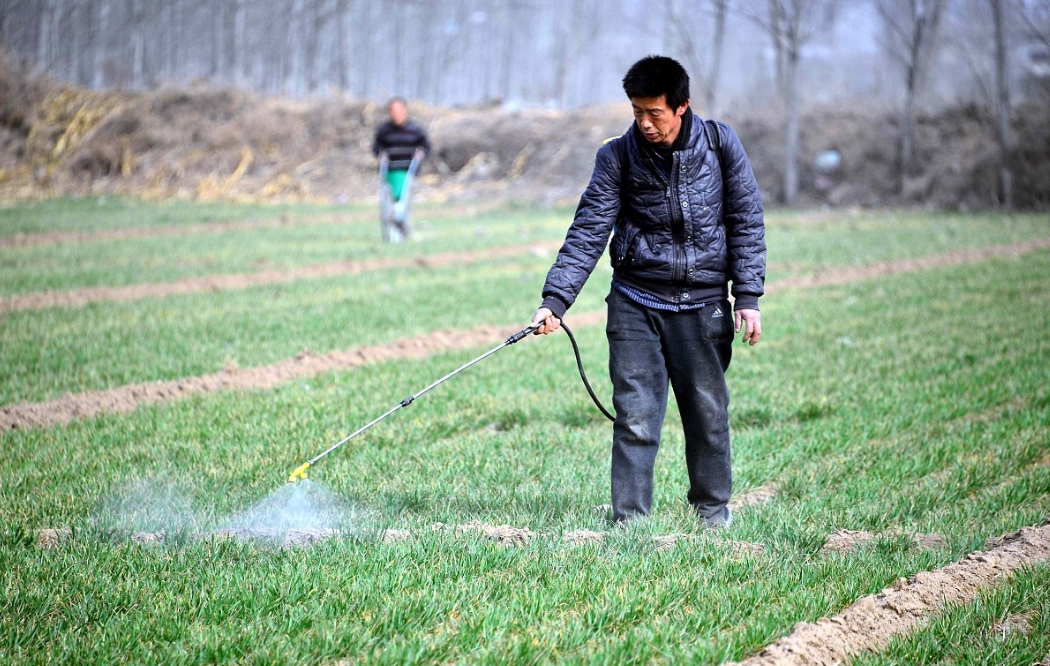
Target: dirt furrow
837,275
504,534
81,297
869,624
127,398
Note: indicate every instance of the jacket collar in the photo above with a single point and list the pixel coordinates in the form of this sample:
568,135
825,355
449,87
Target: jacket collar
685,134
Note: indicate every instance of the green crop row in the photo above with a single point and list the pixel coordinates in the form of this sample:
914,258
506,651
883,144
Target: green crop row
108,213
135,260
46,353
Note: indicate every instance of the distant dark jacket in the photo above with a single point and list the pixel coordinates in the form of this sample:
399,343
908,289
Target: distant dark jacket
400,143
680,238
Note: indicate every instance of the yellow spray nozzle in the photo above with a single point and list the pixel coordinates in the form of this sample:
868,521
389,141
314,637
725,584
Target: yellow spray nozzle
299,474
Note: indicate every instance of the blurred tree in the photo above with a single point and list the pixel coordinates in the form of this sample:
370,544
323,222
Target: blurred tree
1035,14
569,38
910,35
1003,108
100,46
137,36
239,47
49,14
791,24
705,64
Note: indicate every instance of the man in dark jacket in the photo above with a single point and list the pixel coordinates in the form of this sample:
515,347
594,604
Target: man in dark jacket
686,219
401,145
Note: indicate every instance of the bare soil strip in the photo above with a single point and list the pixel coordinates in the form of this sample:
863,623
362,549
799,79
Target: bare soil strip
846,541
72,237
81,297
128,398
838,275
504,534
306,364
869,624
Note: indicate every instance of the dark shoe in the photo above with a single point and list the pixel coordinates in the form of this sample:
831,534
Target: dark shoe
721,521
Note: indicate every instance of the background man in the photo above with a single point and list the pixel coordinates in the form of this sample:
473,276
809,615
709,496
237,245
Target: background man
404,144
680,233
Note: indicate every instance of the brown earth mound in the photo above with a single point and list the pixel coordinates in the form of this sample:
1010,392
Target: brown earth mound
207,143
870,623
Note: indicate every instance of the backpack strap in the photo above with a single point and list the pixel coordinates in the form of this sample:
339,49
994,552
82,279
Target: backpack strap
621,157
714,139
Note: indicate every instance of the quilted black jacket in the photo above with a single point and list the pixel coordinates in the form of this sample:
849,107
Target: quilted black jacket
676,238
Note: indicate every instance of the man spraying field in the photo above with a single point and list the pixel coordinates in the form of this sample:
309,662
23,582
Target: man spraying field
400,145
680,200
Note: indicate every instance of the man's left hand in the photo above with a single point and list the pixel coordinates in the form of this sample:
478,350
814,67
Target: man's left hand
752,325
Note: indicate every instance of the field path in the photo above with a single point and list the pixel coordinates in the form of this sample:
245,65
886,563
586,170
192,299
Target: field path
871,622
129,397
80,297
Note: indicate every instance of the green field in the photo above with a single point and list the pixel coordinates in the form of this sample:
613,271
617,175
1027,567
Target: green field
912,403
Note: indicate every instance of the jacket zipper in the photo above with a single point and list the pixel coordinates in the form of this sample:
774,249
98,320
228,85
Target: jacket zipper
677,224
677,220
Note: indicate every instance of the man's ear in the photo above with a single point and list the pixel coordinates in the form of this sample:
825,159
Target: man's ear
680,110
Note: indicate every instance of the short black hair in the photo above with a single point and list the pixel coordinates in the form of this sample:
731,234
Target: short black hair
653,76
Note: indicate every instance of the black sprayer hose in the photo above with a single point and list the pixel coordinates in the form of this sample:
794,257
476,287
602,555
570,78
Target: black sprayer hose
583,375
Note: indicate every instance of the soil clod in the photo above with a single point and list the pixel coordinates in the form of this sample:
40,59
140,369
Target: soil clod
51,538
756,497
581,537
1014,624
846,541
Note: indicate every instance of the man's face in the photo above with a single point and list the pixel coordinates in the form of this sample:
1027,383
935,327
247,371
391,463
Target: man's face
398,113
658,122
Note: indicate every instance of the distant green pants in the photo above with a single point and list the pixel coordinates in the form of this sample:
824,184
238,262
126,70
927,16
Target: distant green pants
397,178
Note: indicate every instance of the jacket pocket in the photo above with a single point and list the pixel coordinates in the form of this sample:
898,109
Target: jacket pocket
716,322
622,246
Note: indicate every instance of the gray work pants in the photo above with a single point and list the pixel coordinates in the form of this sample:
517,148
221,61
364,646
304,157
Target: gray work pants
691,350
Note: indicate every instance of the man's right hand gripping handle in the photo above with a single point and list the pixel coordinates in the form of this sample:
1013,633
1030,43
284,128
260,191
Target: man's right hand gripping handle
546,321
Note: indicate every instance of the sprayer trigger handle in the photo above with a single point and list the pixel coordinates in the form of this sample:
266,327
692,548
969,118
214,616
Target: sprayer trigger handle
521,334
